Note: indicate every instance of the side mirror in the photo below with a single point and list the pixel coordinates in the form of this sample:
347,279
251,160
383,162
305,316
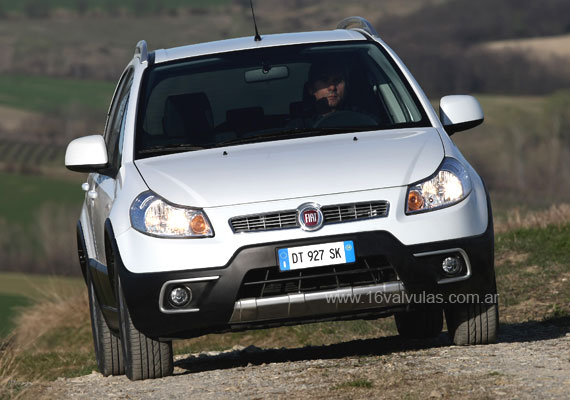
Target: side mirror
86,154
460,112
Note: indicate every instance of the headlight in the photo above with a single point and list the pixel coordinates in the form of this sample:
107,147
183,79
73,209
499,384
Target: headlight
449,185
152,215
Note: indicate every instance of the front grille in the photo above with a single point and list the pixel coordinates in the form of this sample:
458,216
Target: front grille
288,219
351,212
268,282
265,222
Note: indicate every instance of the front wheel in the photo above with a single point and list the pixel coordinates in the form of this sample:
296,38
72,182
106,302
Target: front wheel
145,358
108,350
473,323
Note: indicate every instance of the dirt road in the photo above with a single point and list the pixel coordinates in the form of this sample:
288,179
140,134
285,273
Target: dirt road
531,360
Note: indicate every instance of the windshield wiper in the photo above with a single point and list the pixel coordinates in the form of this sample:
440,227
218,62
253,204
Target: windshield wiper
292,133
178,148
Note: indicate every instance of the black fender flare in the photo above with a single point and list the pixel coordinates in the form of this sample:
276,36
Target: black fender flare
82,250
112,268
117,268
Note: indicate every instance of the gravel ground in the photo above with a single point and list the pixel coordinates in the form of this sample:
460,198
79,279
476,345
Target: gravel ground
531,360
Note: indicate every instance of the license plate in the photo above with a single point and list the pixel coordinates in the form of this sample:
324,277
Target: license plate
316,255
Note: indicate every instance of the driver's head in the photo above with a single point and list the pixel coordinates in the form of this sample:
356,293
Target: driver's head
327,83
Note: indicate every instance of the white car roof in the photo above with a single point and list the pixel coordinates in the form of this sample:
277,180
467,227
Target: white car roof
245,43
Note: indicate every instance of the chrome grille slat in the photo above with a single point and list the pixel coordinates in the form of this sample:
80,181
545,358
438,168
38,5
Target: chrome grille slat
264,222
288,219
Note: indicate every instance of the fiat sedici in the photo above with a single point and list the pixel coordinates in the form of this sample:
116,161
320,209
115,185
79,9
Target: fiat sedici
283,179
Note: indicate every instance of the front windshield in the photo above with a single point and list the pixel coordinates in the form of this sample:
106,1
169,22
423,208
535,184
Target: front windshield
272,94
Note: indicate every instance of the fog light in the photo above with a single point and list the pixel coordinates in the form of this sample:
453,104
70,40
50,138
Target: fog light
452,265
180,296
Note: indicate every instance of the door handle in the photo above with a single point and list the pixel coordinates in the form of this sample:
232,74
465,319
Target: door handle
92,194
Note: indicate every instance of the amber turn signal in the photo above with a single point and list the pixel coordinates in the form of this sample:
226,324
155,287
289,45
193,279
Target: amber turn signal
415,201
199,225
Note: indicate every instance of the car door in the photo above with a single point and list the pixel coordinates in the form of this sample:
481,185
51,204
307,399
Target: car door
103,185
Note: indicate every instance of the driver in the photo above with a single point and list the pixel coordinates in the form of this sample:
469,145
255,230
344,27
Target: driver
327,85
325,99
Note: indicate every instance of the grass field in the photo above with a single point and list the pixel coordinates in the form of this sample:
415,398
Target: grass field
33,286
37,224
24,195
19,290
51,95
29,154
38,215
533,273
521,150
9,305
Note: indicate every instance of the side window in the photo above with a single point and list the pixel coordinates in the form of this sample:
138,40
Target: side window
116,121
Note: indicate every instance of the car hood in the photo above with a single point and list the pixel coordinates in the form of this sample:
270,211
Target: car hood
303,167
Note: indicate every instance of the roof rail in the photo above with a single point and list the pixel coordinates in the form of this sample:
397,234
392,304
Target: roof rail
361,22
141,51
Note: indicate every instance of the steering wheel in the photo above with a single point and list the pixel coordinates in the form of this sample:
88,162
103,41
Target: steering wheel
344,118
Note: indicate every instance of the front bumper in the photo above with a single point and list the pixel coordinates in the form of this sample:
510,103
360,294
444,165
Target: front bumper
145,254
221,302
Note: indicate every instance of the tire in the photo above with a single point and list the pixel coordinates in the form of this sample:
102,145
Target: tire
108,350
420,324
475,323
145,358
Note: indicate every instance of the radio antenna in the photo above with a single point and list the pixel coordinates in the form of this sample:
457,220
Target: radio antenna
257,38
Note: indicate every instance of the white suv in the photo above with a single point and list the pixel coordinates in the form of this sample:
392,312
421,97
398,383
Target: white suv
286,179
